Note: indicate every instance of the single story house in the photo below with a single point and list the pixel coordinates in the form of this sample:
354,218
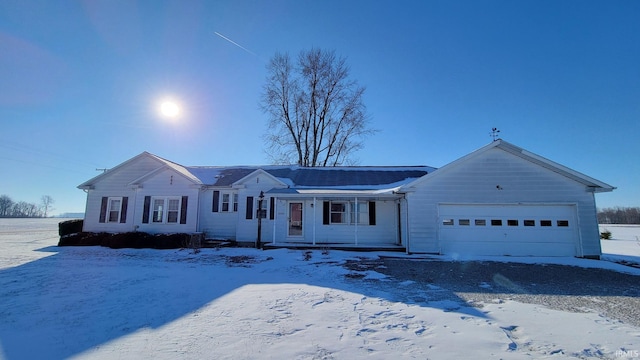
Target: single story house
498,200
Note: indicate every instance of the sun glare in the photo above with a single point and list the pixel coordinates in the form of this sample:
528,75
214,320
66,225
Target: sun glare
169,109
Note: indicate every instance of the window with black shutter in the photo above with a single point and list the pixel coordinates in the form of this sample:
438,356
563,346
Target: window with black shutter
372,212
103,209
249,212
145,211
183,210
123,210
216,200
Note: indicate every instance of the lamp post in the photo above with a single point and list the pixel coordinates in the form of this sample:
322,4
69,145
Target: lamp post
259,238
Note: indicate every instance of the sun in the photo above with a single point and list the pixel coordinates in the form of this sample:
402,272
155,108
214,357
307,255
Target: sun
169,109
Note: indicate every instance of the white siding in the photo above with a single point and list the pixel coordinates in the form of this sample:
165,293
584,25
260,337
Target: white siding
384,232
114,184
168,183
247,229
218,225
496,177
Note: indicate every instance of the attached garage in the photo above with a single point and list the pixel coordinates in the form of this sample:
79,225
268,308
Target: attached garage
515,230
503,200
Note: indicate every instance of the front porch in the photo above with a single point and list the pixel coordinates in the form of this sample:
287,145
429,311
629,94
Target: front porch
334,246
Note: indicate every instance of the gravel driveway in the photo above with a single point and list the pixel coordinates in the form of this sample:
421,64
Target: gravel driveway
568,288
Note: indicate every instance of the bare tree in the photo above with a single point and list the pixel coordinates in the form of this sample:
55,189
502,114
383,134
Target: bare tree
47,204
6,204
316,113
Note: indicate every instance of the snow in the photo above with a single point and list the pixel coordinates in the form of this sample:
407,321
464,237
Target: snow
100,303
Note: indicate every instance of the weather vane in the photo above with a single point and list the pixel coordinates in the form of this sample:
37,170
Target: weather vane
495,134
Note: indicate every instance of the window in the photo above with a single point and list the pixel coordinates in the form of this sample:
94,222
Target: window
173,210
165,210
529,223
545,222
481,222
338,212
158,206
562,223
464,222
447,222
225,202
114,209
359,214
512,222
348,212
496,222
115,205
262,211
235,202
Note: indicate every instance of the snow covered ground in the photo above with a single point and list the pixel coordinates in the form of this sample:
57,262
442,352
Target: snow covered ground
99,303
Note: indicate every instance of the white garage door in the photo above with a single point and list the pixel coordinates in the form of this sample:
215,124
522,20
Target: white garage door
517,230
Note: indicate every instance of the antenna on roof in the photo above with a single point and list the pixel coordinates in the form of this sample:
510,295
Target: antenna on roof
495,134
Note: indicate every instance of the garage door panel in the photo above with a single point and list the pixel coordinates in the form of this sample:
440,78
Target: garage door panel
472,248
518,230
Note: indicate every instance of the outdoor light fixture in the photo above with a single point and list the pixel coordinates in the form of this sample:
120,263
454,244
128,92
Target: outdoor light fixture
259,238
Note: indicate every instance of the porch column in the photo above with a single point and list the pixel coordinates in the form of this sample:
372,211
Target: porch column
314,220
356,217
275,218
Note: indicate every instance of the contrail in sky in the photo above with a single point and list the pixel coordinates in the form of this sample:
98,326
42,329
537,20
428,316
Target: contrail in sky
235,43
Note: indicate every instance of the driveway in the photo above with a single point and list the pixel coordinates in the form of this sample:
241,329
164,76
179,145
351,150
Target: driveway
472,283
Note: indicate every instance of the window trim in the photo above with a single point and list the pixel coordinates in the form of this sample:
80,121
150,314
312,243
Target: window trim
261,212
356,212
343,214
165,210
110,199
225,201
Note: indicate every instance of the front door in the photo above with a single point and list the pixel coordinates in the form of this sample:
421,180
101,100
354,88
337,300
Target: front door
295,219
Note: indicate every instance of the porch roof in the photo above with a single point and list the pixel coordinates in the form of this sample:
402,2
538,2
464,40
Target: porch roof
333,193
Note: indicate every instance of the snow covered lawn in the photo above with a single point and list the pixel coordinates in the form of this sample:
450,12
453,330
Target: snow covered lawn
99,303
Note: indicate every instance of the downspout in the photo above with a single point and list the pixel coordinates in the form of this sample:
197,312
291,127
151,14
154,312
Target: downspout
408,231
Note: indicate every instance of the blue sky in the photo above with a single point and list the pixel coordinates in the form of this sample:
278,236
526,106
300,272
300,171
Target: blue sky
80,82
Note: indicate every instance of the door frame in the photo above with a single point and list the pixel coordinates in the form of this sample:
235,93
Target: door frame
290,221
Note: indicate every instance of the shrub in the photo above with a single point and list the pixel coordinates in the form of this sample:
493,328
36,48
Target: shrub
136,240
606,235
70,227
84,239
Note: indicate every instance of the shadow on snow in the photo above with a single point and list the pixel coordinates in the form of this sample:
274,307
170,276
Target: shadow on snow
83,297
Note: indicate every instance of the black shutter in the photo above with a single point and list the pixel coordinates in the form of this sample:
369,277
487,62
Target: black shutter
272,208
183,210
103,209
249,214
123,210
372,212
216,200
145,211
325,213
